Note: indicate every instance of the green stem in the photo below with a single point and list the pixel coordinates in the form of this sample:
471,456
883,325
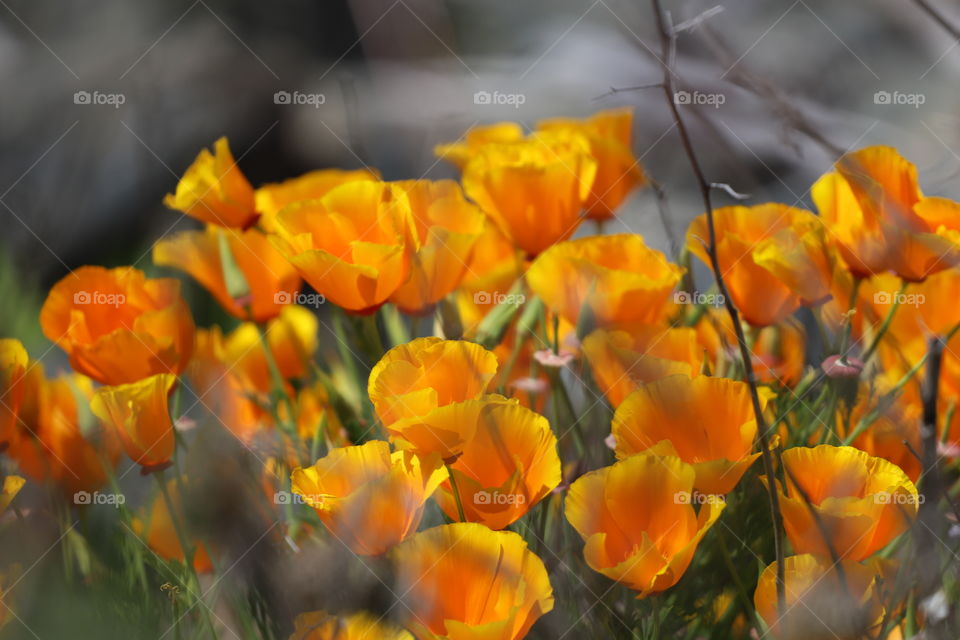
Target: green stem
456,494
885,325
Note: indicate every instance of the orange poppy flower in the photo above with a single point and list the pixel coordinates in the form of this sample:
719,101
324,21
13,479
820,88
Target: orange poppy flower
706,422
316,418
509,463
369,498
271,281
638,522
272,198
214,190
459,153
118,326
880,220
822,602
618,277
621,361
863,502
534,188
447,227
56,441
160,532
414,379
320,625
897,422
139,413
13,367
351,245
618,171
501,587
756,247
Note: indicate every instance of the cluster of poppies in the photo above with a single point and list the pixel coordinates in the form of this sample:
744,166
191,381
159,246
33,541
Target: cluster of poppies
464,316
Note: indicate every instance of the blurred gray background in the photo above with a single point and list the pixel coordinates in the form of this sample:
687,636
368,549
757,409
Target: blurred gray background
83,183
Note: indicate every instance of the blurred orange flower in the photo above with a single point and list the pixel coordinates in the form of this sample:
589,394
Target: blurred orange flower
56,440
160,531
271,199
880,220
271,280
353,245
862,501
11,487
622,360
493,268
320,625
533,188
466,582
369,498
459,153
509,463
14,361
618,171
618,277
214,190
823,601
763,250
139,413
638,522
706,422
416,378
447,227
118,326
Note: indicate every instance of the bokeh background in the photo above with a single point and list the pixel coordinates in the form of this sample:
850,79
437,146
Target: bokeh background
383,81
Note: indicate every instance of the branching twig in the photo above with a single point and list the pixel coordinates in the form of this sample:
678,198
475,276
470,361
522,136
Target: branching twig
668,49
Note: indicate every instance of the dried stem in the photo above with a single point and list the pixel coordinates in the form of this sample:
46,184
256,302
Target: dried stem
668,50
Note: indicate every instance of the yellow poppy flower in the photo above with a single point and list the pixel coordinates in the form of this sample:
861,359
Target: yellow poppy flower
160,533
273,198
139,414
353,245
214,190
14,361
706,422
320,625
864,502
618,171
459,153
447,227
638,522
367,497
618,277
509,462
118,326
501,587
11,487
